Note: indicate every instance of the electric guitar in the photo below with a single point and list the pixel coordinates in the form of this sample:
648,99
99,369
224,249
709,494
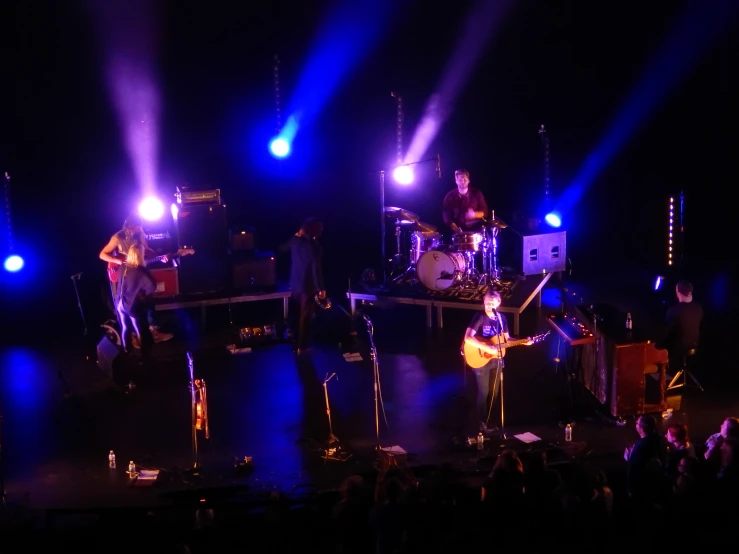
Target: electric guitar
476,357
114,269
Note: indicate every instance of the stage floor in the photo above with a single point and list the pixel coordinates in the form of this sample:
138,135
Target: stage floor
61,416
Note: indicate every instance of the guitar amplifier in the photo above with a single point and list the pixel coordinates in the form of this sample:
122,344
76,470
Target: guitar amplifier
168,282
188,197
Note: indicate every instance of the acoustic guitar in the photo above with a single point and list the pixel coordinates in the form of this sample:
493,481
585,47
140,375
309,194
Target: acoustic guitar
476,357
114,269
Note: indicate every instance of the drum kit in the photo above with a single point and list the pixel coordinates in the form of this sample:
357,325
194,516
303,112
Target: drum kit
468,260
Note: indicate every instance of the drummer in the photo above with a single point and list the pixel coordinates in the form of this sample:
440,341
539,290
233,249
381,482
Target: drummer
464,208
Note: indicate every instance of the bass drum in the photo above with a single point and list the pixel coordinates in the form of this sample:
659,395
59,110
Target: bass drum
439,270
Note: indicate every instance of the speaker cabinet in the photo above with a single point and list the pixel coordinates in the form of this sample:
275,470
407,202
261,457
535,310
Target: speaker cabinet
255,273
205,229
544,253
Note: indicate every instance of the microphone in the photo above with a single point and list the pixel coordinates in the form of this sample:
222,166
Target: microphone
438,166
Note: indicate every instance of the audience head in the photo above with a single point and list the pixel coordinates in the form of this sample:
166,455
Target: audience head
392,490
537,461
730,428
352,486
677,434
312,227
508,461
646,425
684,291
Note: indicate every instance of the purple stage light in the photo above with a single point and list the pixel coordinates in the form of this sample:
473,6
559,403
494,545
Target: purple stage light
403,175
137,105
151,209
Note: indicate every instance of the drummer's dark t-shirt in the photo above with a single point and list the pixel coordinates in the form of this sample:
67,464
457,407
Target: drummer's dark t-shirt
456,205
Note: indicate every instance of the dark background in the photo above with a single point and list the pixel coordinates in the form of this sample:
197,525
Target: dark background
567,65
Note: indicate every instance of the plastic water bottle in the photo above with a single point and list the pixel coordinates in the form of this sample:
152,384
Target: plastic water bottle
111,460
628,322
568,433
131,469
480,441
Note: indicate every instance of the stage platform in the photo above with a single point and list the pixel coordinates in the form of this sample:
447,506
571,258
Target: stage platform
64,416
204,301
517,296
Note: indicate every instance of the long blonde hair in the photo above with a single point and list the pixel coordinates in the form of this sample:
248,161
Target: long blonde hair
135,256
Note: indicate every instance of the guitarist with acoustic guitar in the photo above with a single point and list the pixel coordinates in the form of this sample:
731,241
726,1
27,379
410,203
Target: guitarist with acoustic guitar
484,352
115,254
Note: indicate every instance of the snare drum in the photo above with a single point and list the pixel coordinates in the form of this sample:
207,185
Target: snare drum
422,243
439,270
467,242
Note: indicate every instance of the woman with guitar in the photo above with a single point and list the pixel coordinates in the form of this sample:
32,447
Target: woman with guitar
134,286
484,348
115,254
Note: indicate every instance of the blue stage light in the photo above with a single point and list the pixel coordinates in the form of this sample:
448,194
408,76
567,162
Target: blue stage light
553,219
13,263
279,148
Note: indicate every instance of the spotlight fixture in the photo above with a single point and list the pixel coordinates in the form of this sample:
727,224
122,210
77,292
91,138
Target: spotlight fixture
13,263
279,148
403,175
553,219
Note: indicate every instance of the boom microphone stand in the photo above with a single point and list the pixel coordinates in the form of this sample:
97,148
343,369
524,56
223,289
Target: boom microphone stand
435,159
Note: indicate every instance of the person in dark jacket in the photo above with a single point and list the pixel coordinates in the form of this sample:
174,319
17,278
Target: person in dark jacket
135,286
306,279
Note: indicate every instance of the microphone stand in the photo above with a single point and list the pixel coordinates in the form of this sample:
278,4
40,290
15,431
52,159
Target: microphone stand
76,277
501,366
382,226
376,384
333,450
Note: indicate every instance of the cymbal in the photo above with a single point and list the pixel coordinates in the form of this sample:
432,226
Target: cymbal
405,223
425,227
400,213
500,224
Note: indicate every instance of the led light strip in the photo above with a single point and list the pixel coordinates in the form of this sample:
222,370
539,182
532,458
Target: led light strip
671,220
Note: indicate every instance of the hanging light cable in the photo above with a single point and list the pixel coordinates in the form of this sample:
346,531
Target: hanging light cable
13,262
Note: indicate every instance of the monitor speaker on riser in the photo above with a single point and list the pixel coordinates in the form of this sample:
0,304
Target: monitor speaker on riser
536,254
205,229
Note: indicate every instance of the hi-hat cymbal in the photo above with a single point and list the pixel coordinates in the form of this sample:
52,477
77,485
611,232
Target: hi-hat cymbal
400,213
